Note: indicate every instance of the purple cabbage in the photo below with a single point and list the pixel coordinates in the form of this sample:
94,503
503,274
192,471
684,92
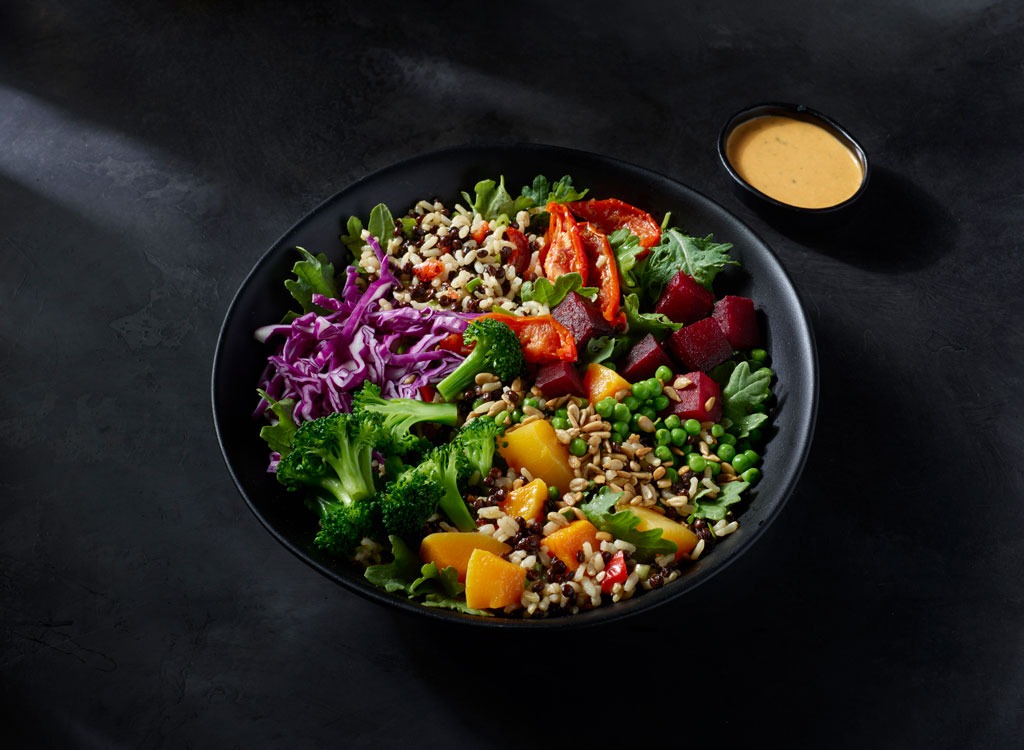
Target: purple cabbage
325,357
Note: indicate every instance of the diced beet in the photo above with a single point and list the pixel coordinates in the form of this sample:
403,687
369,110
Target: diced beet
684,300
701,401
559,379
738,319
646,356
582,317
701,345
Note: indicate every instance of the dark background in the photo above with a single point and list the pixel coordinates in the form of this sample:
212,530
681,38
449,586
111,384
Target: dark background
150,153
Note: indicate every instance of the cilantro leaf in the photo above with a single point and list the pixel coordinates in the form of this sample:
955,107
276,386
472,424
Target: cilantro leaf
313,275
742,396
601,511
546,293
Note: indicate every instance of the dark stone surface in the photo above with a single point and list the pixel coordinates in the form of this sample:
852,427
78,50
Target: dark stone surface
152,152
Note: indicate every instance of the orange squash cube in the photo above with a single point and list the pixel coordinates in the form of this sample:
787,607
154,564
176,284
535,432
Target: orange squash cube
567,542
454,548
674,531
527,502
601,382
535,447
492,582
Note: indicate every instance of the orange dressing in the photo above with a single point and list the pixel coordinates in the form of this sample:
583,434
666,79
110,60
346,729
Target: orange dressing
793,161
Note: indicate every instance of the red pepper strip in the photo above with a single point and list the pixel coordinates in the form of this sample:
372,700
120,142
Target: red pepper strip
427,392
610,214
542,337
480,233
614,572
606,274
428,270
454,342
563,249
519,256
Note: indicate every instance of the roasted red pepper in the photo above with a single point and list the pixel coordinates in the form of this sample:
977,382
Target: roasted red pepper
563,248
454,342
542,337
519,256
480,233
609,214
428,270
603,270
614,572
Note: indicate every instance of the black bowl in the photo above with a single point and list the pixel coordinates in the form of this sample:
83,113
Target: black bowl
262,299
778,210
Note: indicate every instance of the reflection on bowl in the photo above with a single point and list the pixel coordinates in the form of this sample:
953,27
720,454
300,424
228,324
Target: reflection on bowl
793,158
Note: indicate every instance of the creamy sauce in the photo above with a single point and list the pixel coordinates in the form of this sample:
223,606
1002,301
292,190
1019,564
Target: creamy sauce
793,161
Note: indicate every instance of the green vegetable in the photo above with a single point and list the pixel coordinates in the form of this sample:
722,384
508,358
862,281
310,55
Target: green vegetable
447,467
600,511
743,396
491,200
407,502
313,275
278,436
701,258
406,574
546,293
496,349
626,247
541,192
640,324
714,508
477,440
400,416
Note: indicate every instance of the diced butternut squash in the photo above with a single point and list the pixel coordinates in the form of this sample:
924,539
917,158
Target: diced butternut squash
492,582
454,548
674,531
527,502
601,382
535,447
567,542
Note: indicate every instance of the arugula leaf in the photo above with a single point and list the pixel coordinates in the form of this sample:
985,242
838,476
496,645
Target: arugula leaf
541,192
381,224
546,293
742,395
640,323
701,258
279,436
492,200
406,574
313,275
600,511
715,508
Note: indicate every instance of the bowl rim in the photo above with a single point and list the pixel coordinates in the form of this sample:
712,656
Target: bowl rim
790,472
797,112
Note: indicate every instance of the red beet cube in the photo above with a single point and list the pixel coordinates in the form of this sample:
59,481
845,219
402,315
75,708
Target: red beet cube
684,300
701,345
738,319
559,379
702,400
641,362
582,317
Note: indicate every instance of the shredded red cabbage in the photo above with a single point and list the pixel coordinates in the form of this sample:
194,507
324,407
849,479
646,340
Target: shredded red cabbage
324,357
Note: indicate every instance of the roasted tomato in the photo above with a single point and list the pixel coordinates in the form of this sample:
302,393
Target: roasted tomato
542,337
609,214
563,248
519,256
603,270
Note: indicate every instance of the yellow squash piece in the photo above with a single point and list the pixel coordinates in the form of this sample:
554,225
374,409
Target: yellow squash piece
527,502
674,531
454,548
567,542
535,447
600,382
493,583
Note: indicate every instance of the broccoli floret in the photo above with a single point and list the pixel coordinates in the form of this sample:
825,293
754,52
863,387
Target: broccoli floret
400,415
343,527
408,501
333,455
496,349
449,468
477,440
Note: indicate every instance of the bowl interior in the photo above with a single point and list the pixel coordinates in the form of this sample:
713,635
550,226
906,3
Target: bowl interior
262,299
803,114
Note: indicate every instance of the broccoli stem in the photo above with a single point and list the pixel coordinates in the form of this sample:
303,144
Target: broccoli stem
463,376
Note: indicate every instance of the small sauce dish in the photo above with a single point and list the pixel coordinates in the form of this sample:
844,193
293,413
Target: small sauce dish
793,159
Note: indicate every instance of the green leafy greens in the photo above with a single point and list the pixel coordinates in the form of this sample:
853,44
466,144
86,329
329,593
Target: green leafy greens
601,511
546,293
701,258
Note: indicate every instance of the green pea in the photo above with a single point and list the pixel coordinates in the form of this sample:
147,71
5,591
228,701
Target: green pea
640,390
610,365
560,423
664,453
692,426
679,437
716,468
672,421
578,447
751,475
604,407
717,430
662,437
672,475
517,415
726,452
663,373
621,427
621,412
532,402
661,403
584,403
648,412
740,463
653,387
696,462
752,456
631,402
553,493
562,413
634,422
758,355
727,439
